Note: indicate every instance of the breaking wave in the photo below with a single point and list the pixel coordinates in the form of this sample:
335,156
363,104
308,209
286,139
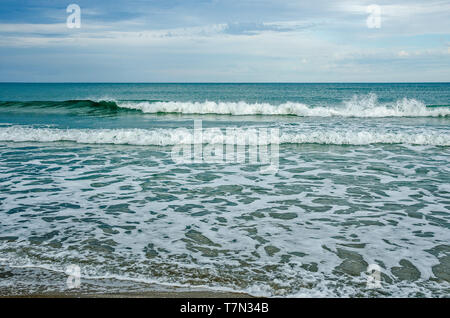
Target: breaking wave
359,106
168,137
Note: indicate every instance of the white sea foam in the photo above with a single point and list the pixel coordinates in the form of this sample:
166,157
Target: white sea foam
320,281
168,137
359,106
380,206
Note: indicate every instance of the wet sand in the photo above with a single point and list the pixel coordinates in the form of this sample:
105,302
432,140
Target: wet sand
43,283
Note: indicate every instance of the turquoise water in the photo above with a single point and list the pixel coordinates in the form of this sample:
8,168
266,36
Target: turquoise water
87,177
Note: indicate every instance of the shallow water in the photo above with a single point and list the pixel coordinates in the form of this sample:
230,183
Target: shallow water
363,178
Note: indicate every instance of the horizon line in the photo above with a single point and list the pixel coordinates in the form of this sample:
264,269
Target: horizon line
100,82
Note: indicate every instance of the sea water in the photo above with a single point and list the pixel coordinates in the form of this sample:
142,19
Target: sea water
87,178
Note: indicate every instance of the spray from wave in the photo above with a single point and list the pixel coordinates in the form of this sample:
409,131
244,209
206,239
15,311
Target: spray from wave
358,106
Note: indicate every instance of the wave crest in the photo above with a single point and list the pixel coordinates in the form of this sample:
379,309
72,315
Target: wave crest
358,106
169,137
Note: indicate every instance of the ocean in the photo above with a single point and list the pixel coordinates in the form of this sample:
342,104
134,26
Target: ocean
356,203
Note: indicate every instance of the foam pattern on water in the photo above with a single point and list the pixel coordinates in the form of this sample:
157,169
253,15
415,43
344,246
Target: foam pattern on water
310,230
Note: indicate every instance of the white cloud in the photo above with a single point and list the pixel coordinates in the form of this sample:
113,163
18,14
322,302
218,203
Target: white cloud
334,47
401,17
407,9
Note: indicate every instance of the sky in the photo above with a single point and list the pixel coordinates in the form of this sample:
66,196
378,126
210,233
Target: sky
225,41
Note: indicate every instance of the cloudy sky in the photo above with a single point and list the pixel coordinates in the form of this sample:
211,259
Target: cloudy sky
225,41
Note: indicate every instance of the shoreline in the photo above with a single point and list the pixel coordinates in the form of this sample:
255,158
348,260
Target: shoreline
147,294
34,282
